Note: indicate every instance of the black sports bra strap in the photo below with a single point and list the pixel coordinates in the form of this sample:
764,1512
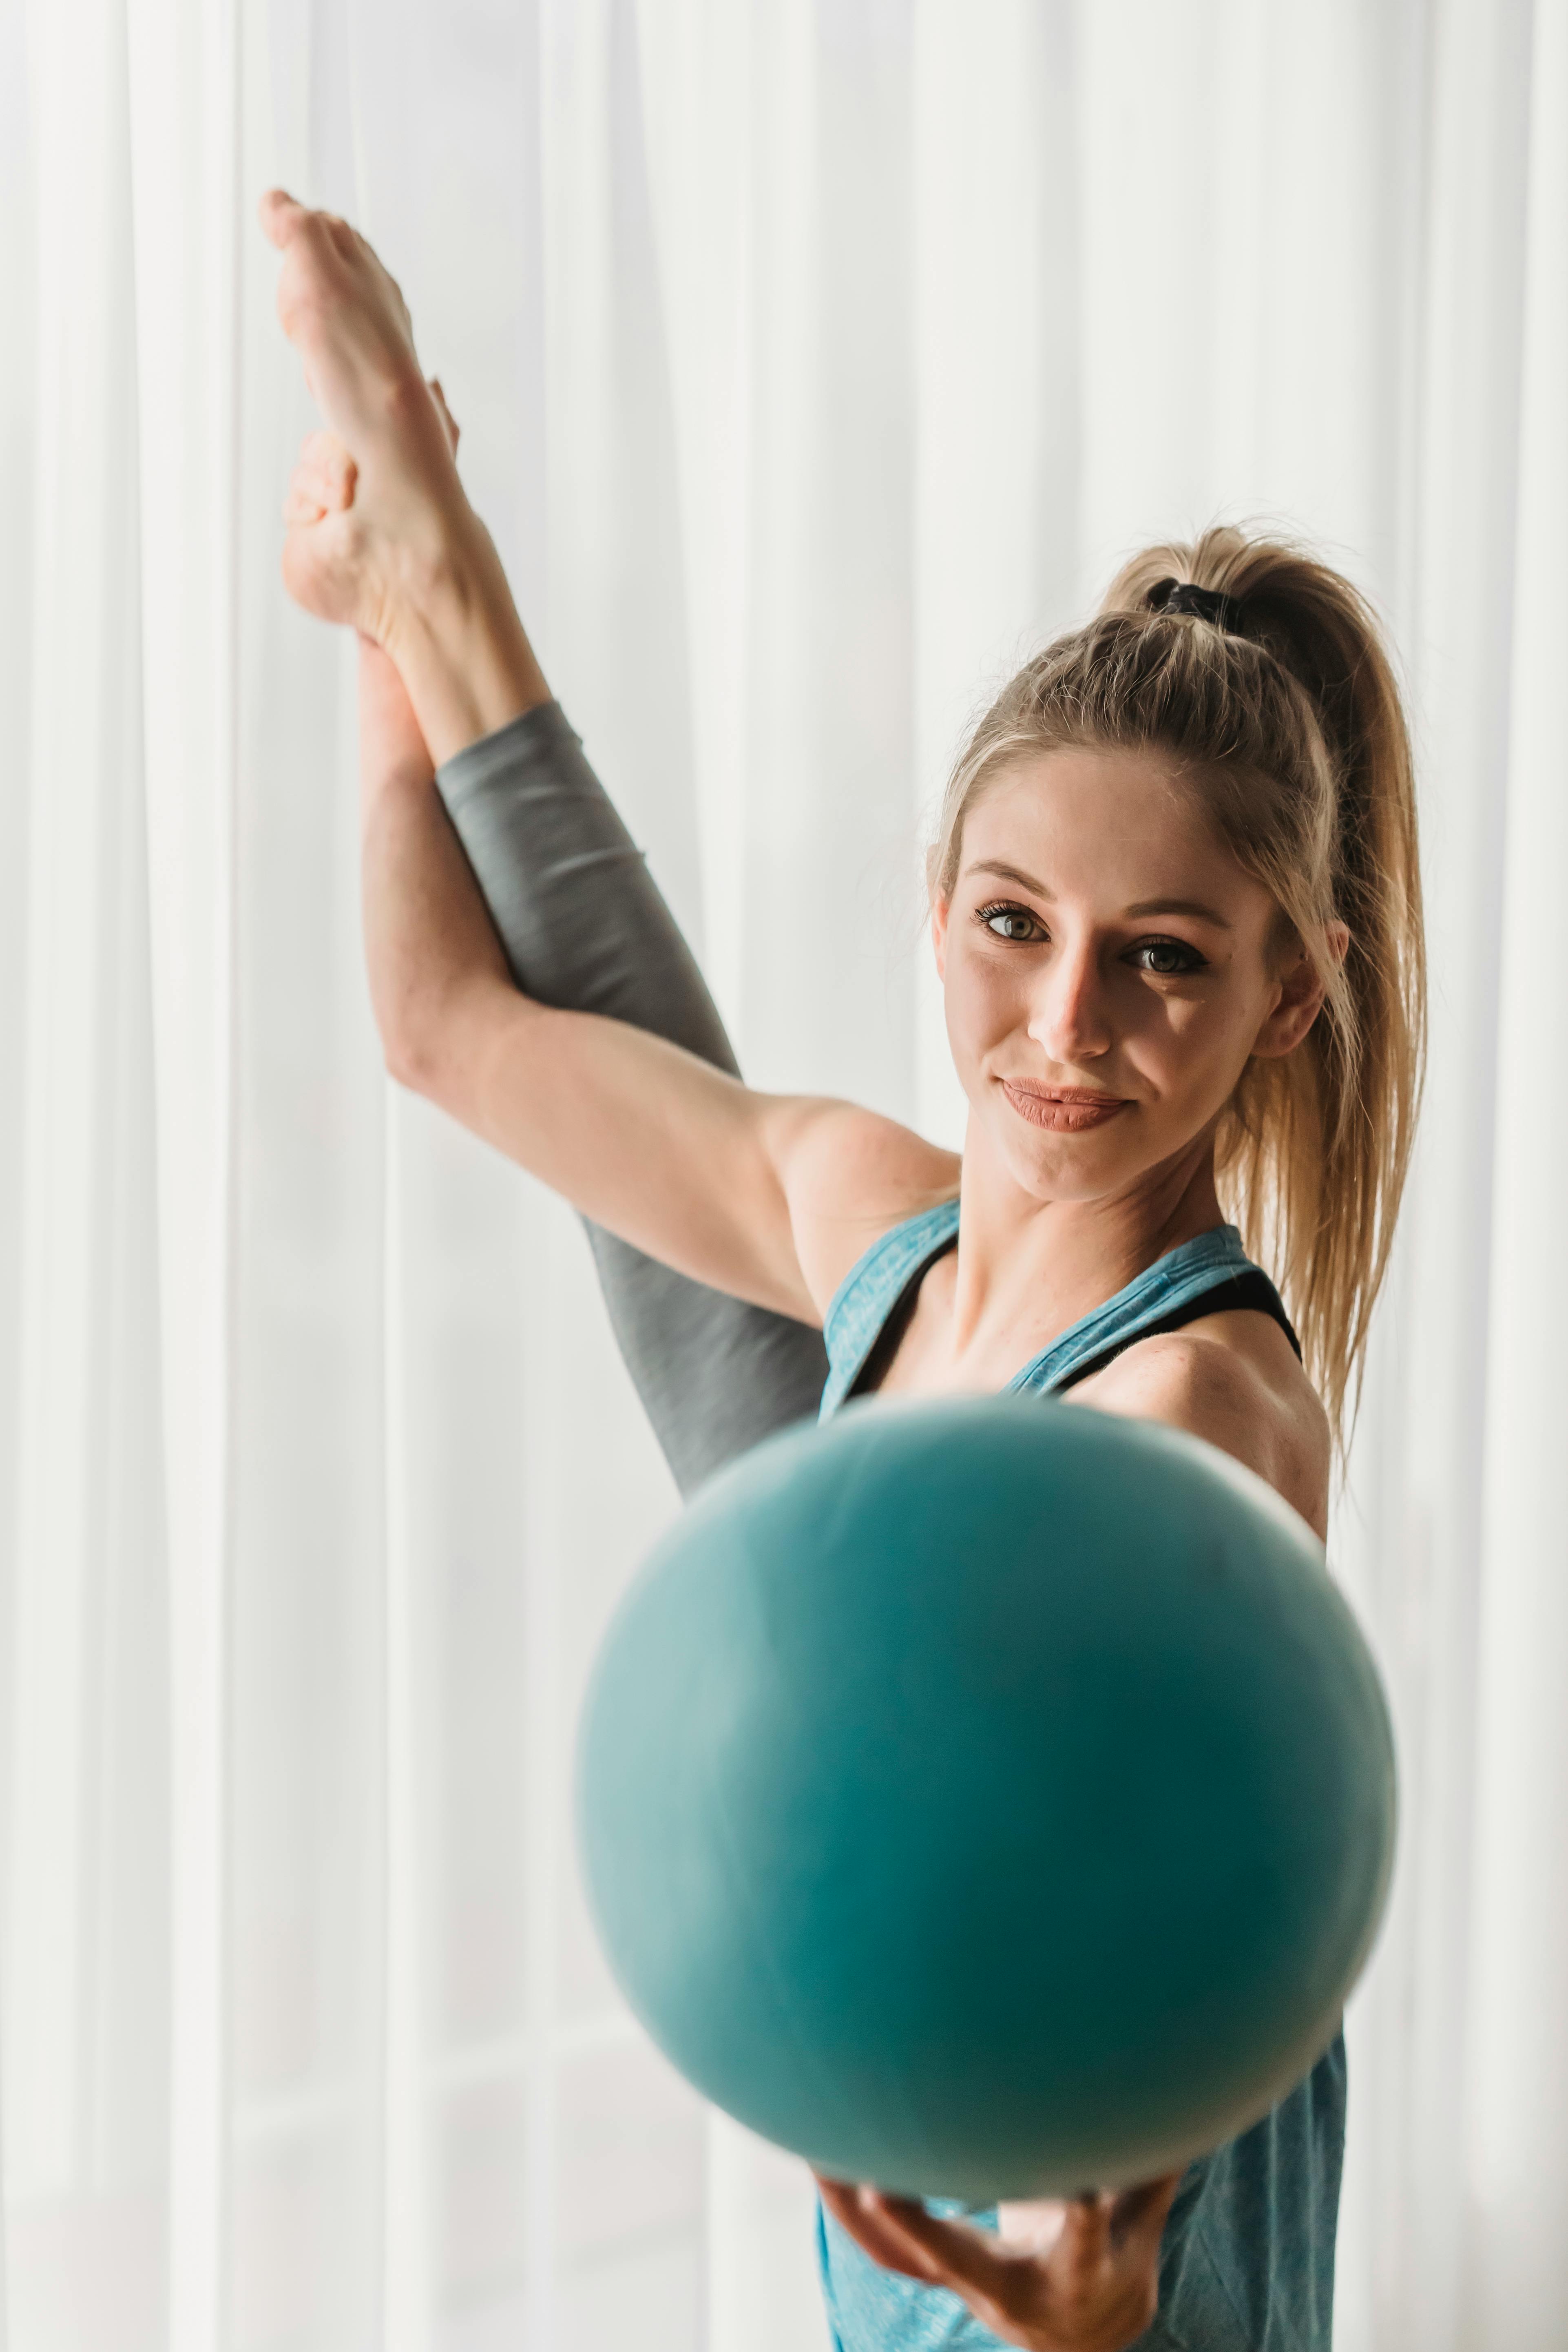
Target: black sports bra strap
1252,1289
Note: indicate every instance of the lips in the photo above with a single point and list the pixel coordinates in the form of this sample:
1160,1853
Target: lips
1064,1110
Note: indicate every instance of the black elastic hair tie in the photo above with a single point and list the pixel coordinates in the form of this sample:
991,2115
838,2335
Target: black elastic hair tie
1209,604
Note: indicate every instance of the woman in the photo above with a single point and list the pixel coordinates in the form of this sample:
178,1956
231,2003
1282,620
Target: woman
1175,908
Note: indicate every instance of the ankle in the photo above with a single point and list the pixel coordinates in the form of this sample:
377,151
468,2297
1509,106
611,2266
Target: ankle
455,635
418,429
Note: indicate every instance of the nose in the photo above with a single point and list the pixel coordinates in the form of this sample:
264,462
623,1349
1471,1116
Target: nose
1069,1018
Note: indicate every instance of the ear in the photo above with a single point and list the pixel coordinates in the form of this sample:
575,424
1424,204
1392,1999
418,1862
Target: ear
1301,1000
940,910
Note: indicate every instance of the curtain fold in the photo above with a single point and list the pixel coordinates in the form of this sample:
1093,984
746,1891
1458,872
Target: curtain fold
1519,1946
816,359
181,104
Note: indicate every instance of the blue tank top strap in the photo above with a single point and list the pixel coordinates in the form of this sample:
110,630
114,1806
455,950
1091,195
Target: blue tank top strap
1163,1297
1185,1274
873,1288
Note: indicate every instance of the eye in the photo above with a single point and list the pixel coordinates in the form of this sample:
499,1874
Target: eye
1168,959
1004,920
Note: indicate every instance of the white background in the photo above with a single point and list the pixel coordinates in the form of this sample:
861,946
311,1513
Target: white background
814,362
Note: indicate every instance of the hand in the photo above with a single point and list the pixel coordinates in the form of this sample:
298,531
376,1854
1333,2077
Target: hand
1079,2277
324,553
321,490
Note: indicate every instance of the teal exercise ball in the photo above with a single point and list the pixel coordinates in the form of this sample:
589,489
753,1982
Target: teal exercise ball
988,1798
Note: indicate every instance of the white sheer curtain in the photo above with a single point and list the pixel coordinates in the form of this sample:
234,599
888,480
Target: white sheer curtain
813,360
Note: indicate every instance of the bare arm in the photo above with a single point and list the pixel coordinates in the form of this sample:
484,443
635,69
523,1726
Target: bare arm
583,928
581,925
769,1197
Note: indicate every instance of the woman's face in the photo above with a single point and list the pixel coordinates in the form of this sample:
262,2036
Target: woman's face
1106,967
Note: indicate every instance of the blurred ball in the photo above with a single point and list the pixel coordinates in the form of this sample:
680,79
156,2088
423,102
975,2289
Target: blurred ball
988,1798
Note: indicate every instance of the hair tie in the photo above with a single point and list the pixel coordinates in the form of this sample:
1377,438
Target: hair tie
1209,604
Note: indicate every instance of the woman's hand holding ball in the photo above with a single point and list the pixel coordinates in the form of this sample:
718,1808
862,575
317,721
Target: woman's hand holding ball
1079,2275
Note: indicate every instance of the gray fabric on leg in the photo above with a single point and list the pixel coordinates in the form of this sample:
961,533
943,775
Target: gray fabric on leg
584,928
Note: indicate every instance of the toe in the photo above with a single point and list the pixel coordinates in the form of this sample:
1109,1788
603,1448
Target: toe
280,215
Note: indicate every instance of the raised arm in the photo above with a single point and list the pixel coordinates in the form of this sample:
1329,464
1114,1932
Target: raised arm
733,1188
767,1197
583,928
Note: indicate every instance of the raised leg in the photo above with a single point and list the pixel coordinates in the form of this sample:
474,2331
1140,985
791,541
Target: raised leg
381,537
583,925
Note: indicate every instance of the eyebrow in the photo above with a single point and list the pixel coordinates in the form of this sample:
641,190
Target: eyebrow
1192,907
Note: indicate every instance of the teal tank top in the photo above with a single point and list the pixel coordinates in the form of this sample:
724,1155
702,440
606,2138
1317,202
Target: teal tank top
1247,2262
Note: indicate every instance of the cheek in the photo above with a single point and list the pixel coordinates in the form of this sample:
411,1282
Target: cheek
1183,1045
1203,1042
985,1000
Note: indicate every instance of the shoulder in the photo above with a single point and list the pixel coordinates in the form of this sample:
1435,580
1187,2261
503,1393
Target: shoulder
1235,1381
848,1176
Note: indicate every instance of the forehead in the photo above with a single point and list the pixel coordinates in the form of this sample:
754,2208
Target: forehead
1123,825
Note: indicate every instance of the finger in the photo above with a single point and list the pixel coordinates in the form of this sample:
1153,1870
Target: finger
1138,2215
447,418
1036,2223
967,2259
326,462
306,489
1084,2246
869,2229
323,449
301,507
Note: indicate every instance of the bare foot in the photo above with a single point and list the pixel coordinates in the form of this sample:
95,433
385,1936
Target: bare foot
400,510
321,489
328,553
386,541
345,315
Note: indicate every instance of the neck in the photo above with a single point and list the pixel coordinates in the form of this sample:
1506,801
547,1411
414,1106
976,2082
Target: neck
1018,1252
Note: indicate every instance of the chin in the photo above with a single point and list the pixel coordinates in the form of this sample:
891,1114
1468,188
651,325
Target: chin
1068,1167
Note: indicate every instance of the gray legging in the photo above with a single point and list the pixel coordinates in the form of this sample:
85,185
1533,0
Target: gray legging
583,927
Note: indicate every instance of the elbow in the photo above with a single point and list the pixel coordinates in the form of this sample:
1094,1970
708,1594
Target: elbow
432,1040
409,1052
404,1067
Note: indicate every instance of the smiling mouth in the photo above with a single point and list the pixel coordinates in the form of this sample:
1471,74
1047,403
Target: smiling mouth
1066,1110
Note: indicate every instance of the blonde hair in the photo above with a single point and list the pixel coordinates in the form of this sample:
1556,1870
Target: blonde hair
1288,722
